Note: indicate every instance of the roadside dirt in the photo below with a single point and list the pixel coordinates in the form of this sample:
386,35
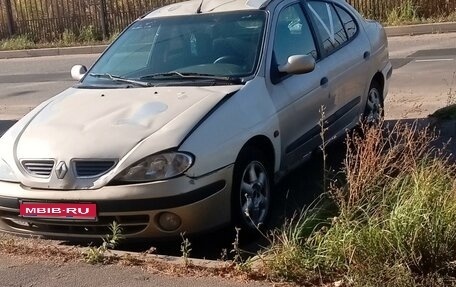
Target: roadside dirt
36,262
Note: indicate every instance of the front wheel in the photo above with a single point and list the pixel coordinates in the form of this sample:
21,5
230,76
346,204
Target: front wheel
251,195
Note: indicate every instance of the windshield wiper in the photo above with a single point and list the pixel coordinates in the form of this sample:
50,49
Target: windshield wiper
188,75
121,79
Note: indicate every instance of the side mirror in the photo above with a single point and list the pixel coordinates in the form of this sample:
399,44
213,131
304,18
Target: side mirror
78,71
298,64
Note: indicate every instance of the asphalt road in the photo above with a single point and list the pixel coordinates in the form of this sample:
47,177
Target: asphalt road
423,80
40,273
24,83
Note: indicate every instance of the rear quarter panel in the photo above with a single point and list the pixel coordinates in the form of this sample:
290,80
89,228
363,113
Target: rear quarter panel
379,59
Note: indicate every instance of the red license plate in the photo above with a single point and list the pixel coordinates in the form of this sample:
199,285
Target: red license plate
84,211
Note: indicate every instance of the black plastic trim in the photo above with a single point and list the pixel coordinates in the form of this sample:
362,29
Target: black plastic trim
316,129
134,205
303,139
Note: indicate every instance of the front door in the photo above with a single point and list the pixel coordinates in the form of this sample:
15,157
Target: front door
298,98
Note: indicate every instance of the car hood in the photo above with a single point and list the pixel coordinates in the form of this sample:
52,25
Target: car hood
111,123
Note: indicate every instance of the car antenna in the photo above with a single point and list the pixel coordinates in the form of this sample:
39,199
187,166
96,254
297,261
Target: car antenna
198,11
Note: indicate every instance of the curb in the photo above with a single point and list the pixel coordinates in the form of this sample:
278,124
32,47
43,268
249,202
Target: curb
52,52
392,31
38,243
420,29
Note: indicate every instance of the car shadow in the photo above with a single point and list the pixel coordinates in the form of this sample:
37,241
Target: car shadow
291,195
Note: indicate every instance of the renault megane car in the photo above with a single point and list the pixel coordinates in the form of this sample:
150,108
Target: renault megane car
188,119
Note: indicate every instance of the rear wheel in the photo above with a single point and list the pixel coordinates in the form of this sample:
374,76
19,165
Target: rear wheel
251,194
374,111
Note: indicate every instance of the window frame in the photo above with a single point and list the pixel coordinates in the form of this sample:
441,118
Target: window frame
352,16
325,53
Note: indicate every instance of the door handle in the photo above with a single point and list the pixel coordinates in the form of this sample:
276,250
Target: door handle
366,55
323,81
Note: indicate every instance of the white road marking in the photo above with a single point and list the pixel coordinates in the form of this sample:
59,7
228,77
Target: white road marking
434,60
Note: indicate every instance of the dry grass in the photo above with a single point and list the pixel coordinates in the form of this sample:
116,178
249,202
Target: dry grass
395,221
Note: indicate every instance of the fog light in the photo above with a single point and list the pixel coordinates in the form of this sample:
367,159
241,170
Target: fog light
169,221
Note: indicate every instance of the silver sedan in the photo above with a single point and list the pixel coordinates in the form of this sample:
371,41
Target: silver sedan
188,119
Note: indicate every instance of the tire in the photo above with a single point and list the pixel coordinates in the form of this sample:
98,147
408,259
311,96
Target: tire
251,191
374,110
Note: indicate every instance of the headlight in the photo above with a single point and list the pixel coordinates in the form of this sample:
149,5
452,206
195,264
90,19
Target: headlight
6,174
157,167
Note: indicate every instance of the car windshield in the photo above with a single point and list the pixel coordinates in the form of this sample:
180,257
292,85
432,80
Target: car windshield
200,48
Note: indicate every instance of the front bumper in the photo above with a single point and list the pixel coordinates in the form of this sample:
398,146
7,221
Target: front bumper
201,203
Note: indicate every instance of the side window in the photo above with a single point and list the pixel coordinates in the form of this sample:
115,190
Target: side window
293,35
328,25
348,22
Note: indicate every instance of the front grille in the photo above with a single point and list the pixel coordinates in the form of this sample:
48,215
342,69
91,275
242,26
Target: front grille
92,168
130,224
40,168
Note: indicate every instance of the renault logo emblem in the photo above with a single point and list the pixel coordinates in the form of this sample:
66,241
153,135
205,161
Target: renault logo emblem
61,170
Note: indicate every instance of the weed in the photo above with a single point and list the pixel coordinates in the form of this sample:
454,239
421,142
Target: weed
186,249
241,263
98,254
405,13
68,37
237,258
88,34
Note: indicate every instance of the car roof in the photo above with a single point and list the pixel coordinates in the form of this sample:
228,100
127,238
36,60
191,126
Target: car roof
205,6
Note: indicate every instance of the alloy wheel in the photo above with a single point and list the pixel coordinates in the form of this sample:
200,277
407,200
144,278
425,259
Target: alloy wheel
255,194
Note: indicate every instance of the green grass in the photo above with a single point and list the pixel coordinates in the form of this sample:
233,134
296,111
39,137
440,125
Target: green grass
397,17
403,14
19,42
445,113
82,37
394,221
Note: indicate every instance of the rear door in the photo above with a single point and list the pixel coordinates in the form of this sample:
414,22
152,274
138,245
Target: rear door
345,51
